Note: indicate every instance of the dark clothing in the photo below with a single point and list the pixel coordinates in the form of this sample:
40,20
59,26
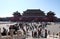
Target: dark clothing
45,33
32,33
4,32
39,33
35,34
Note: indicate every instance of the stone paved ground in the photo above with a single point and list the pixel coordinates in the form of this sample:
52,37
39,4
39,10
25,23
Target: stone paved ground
35,38
48,37
42,38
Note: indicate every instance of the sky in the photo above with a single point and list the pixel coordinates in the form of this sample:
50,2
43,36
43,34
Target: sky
7,7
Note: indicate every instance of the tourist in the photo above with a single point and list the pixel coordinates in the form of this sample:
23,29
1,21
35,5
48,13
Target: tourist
35,33
21,25
39,32
45,33
4,31
48,32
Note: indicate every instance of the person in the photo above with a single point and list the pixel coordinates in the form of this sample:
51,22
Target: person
16,27
45,33
12,27
35,33
57,34
21,25
32,31
24,32
4,31
48,32
39,32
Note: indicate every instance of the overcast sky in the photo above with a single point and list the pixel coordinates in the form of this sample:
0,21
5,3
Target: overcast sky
7,7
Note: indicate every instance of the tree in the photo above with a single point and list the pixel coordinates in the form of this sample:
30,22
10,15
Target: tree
51,16
16,17
16,14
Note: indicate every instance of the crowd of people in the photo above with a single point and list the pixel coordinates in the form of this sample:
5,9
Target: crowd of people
36,30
